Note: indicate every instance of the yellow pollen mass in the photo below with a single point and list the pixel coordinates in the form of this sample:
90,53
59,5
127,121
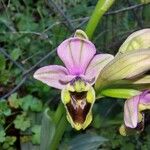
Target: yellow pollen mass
65,96
90,95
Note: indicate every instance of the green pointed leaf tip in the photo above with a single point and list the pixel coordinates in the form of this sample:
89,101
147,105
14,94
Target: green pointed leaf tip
125,66
137,40
47,130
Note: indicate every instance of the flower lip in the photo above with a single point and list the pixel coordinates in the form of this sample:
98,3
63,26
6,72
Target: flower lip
78,107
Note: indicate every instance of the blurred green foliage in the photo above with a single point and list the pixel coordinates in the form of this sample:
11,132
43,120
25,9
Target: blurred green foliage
31,29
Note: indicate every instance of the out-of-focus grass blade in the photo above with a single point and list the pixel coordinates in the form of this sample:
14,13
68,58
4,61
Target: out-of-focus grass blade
86,142
47,130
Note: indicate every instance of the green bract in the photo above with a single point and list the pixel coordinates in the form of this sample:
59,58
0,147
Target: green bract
138,40
124,67
126,72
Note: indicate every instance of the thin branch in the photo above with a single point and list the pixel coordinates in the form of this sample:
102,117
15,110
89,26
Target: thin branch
14,89
138,20
63,17
25,75
13,61
125,9
85,20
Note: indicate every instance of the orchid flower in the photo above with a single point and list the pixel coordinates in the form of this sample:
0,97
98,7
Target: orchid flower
75,80
134,111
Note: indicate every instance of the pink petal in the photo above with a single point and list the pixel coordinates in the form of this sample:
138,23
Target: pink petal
52,75
76,53
97,64
145,97
131,112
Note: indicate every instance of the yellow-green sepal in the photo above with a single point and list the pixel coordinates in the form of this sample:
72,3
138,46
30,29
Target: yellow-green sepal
65,96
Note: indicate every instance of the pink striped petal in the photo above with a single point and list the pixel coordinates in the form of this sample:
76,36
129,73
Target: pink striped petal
131,112
97,64
52,75
76,53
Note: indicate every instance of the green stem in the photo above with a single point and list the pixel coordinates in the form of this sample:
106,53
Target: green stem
59,132
59,112
101,7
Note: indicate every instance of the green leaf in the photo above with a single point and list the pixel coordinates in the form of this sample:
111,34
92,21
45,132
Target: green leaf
2,62
31,103
36,130
16,53
47,130
86,142
22,122
4,76
14,102
4,109
36,105
2,119
96,123
26,23
2,134
9,141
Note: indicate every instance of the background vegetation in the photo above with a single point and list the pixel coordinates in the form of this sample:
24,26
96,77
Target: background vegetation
30,30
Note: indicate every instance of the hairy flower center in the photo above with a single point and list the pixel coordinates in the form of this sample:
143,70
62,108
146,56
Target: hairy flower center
78,107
